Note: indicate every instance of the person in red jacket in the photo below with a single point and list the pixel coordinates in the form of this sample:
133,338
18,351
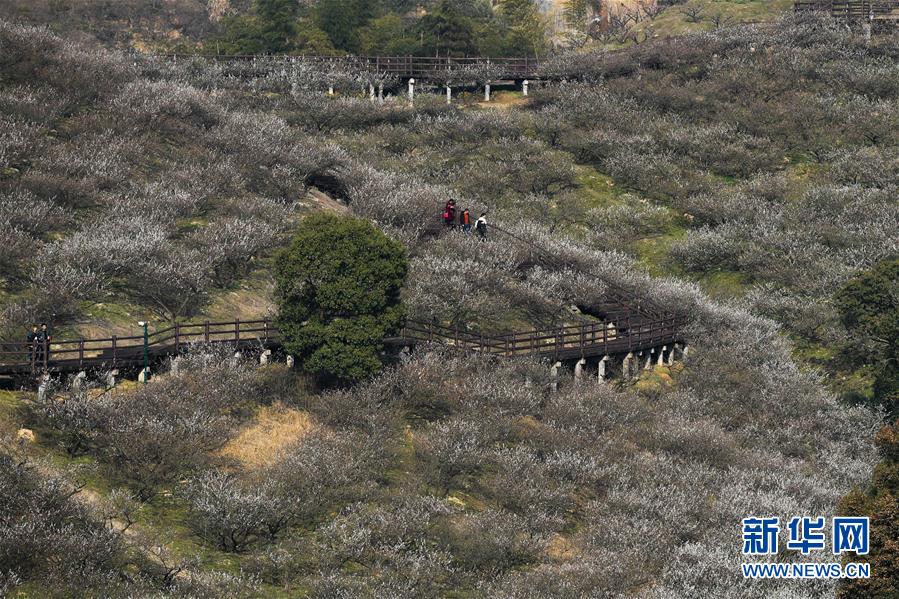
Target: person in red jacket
449,214
465,221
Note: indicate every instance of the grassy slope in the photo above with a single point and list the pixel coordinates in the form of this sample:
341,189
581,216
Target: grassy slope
674,22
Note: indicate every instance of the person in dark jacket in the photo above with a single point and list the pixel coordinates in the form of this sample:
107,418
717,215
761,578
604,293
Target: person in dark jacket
42,343
449,214
32,342
465,221
481,226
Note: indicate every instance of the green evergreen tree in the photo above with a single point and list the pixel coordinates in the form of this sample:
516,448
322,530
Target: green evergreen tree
278,24
526,29
389,35
869,306
448,32
341,20
338,293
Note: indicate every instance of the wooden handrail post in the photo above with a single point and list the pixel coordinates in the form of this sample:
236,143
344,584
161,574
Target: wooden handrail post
46,353
80,353
177,337
206,331
237,331
114,350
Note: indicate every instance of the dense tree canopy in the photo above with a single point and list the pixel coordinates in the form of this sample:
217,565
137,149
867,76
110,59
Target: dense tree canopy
869,305
385,27
339,296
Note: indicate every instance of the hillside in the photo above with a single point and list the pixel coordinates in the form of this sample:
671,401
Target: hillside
726,176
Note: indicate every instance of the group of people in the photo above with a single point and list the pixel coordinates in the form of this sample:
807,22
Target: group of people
464,220
39,343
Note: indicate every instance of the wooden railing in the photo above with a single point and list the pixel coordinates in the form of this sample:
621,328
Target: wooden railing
590,339
852,9
402,67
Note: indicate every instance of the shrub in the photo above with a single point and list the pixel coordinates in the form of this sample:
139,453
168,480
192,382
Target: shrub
490,541
234,515
48,537
338,295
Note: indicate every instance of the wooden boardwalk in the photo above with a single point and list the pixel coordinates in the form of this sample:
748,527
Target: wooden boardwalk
421,68
560,343
853,10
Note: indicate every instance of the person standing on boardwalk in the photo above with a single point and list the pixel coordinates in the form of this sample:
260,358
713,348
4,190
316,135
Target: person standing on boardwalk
42,343
465,221
31,339
481,227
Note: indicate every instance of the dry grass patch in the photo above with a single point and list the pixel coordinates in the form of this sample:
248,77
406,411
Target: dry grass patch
275,429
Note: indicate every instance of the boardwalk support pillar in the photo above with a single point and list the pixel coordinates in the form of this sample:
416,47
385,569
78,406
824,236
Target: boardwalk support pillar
78,381
487,92
290,361
648,365
670,361
601,370
110,378
449,95
265,357
579,368
381,93
144,375
371,92
661,360
554,373
627,365
524,87
43,387
405,354
411,91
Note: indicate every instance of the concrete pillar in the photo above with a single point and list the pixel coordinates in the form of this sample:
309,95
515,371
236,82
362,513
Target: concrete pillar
670,361
110,378
579,368
330,90
411,90
487,92
685,351
661,360
381,93
627,365
449,95
265,357
290,361
524,87
43,388
144,375
648,364
601,370
78,381
554,373
371,92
